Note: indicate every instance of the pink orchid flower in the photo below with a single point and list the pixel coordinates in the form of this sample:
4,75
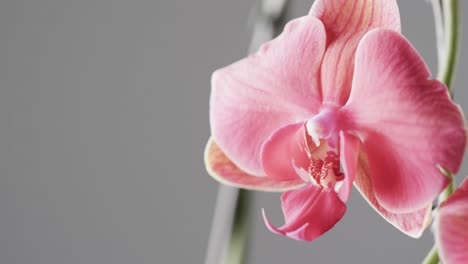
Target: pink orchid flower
451,227
340,97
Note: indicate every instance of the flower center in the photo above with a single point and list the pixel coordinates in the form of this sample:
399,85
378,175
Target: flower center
324,166
325,172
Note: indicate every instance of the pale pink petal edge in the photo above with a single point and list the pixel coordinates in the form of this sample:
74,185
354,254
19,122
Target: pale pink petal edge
223,170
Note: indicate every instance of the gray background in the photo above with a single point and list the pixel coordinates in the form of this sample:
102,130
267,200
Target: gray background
103,121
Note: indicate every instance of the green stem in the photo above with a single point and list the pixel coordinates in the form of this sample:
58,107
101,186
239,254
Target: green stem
452,27
447,72
449,190
432,257
451,20
240,229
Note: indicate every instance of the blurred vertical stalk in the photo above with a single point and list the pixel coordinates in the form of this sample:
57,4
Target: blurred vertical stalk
451,20
447,24
439,31
238,243
447,29
228,238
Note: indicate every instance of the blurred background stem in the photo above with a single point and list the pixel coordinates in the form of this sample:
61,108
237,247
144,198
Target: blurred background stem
230,228
451,20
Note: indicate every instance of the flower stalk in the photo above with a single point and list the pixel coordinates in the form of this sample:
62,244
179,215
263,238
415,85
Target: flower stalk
451,18
238,245
448,48
432,257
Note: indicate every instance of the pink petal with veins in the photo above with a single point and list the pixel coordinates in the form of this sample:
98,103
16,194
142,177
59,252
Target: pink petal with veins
412,223
345,23
270,89
451,227
408,124
309,212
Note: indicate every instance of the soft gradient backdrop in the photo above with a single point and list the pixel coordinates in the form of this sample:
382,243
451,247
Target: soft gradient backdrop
103,122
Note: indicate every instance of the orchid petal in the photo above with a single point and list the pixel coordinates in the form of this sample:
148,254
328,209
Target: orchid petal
349,150
309,212
408,125
451,227
412,223
225,171
345,23
284,154
268,90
